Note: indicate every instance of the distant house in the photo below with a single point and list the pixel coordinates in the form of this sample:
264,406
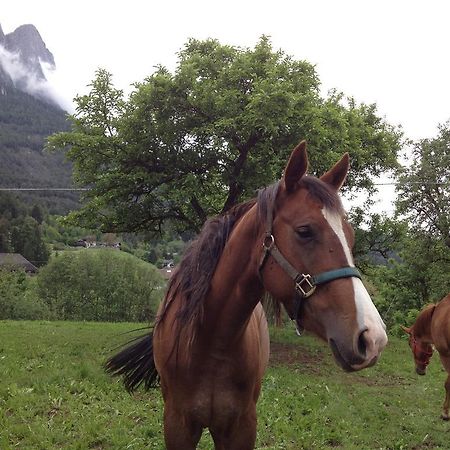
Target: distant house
85,243
168,267
16,261
81,243
90,244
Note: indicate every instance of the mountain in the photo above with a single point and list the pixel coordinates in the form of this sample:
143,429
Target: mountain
27,41
28,115
23,57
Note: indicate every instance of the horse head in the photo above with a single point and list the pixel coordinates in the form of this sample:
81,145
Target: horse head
422,351
308,263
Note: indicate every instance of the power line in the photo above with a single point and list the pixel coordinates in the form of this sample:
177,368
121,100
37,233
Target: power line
44,189
387,183
402,183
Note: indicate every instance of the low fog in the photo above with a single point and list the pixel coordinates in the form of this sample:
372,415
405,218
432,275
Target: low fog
31,82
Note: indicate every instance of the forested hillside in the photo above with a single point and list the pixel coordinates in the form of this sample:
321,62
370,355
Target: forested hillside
25,123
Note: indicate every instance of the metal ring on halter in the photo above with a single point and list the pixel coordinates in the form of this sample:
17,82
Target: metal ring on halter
271,244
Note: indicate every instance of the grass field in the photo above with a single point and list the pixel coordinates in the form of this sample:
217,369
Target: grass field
55,395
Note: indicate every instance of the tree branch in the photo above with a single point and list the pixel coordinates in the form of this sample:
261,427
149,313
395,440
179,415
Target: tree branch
235,188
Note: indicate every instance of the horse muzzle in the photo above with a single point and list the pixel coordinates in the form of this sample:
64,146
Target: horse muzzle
361,353
421,370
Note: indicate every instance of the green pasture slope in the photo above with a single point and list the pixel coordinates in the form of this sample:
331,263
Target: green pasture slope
55,395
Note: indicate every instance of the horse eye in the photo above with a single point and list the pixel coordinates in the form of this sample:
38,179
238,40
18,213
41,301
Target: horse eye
305,232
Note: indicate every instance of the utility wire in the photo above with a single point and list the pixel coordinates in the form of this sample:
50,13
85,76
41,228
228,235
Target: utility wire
402,183
44,189
387,183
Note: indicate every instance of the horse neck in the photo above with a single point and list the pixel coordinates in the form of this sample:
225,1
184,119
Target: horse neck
422,326
235,287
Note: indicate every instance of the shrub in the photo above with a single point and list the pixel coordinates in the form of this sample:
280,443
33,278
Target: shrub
17,297
100,285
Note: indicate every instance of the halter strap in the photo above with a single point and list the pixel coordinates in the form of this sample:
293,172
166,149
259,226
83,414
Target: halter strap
427,354
344,272
305,284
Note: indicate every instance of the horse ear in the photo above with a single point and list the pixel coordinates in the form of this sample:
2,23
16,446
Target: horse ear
407,330
296,167
338,173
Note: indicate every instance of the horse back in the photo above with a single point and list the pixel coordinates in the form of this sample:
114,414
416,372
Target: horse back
440,326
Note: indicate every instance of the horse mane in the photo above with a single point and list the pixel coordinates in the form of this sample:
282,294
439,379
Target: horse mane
192,277
423,321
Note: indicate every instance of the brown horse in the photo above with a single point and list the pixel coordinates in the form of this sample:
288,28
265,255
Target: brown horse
211,342
432,327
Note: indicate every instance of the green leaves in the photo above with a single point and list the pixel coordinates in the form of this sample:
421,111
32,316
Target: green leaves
424,188
192,144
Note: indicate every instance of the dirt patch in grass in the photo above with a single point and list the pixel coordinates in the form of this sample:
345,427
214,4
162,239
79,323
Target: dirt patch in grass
379,380
313,361
293,355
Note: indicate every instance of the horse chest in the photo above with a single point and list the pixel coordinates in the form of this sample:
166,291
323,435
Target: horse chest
218,393
215,403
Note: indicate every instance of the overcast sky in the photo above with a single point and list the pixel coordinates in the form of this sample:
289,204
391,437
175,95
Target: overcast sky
391,52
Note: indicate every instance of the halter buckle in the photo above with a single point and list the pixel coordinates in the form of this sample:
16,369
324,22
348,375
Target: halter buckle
305,285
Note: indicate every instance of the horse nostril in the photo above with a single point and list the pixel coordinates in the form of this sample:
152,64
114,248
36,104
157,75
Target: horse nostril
362,343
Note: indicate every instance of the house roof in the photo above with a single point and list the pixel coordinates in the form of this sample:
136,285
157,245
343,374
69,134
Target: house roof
16,260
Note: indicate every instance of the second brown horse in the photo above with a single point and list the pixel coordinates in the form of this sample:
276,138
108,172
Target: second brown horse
432,327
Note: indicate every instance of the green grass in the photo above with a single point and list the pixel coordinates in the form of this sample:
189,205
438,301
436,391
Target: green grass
55,395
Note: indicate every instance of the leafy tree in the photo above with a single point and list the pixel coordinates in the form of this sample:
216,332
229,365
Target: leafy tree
420,273
21,232
10,206
424,189
5,238
379,250
418,277
37,214
424,200
377,237
26,239
11,290
56,231
152,256
190,144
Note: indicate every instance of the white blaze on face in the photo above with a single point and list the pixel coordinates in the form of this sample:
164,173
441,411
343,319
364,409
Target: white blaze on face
367,315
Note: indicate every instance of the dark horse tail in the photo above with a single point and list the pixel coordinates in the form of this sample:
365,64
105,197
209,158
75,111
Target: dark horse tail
136,364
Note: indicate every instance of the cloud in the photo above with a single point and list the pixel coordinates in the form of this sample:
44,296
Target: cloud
31,82
56,86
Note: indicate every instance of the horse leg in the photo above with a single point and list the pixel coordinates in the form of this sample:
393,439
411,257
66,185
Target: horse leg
446,363
240,435
180,432
445,415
